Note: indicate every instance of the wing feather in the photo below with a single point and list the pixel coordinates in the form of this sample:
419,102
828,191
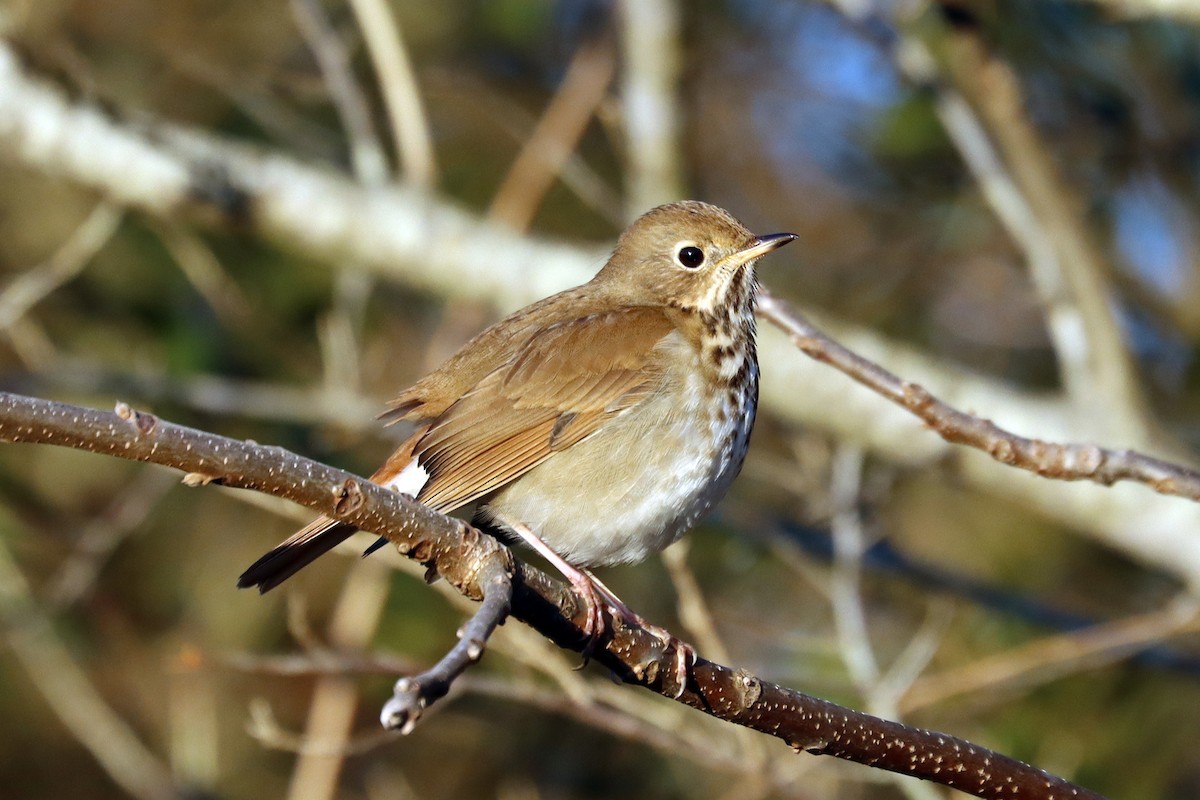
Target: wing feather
521,391
557,389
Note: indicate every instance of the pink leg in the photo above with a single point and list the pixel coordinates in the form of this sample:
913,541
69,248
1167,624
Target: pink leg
581,580
593,591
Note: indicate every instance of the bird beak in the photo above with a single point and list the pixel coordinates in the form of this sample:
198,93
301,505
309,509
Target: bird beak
761,246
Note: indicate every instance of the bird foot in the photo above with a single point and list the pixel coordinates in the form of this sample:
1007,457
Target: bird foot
685,654
594,626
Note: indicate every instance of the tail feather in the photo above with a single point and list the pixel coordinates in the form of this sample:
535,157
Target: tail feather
298,551
323,534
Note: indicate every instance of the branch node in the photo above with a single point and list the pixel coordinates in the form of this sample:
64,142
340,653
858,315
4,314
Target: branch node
408,702
194,479
916,397
749,688
142,422
349,498
412,696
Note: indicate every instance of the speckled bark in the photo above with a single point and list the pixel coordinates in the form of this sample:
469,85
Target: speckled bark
458,553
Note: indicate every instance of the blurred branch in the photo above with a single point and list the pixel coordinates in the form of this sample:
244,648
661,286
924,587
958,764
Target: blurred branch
978,100
512,120
401,95
845,584
30,287
845,595
1183,10
602,716
1047,219
453,550
204,271
335,698
339,333
366,154
755,778
48,664
432,245
101,536
652,63
697,619
556,135
266,730
694,613
218,394
1054,657
276,118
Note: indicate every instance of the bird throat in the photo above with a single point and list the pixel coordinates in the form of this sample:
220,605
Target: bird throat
728,360
726,333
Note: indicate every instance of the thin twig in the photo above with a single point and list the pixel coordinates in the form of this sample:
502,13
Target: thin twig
556,135
412,695
1067,462
450,548
31,286
401,95
69,692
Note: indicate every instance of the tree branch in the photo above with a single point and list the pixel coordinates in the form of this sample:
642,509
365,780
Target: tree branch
462,555
413,695
1065,462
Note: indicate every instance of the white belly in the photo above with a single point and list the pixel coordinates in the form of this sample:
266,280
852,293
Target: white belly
639,483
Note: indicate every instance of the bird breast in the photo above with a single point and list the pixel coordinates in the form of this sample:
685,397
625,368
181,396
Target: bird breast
646,477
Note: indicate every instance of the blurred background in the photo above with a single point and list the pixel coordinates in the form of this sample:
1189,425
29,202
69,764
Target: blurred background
997,199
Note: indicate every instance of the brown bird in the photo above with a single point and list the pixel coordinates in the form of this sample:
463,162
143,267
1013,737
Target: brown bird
596,425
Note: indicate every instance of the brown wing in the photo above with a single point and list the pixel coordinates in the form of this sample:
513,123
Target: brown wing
481,425
557,389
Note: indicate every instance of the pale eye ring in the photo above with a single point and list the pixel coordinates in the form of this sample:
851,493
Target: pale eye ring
689,256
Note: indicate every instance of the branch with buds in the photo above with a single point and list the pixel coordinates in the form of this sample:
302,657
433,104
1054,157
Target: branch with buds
482,568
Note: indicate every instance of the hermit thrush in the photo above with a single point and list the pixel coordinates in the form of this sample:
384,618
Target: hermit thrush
596,425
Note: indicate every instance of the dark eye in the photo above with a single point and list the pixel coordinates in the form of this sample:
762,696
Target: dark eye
690,257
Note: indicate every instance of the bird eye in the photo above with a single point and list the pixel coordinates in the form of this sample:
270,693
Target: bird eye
690,256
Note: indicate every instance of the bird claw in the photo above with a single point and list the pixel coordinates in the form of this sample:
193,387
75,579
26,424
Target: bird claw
685,655
594,626
596,596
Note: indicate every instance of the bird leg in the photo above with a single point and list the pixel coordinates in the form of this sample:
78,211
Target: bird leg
581,581
596,595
